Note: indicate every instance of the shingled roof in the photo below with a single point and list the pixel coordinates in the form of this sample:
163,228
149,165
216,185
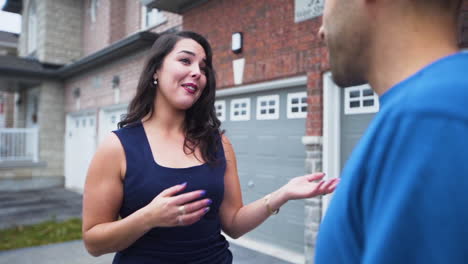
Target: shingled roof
8,38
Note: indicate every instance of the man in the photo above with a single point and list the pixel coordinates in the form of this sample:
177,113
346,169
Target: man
403,196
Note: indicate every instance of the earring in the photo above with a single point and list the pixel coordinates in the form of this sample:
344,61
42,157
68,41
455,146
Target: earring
155,82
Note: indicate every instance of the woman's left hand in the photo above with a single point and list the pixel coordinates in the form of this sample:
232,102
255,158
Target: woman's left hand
309,186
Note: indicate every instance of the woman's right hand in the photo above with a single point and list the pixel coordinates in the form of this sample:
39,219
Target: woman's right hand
168,209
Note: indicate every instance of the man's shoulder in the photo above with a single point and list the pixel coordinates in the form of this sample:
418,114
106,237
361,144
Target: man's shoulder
440,89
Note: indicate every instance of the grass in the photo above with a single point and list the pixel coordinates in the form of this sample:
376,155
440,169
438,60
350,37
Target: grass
40,234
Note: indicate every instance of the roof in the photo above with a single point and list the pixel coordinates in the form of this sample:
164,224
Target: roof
27,67
8,39
13,6
13,65
174,6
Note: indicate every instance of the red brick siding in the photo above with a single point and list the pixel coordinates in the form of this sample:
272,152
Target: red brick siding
96,34
118,19
274,46
133,16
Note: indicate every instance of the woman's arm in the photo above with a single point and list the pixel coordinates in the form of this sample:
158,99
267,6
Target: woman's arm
103,232
238,219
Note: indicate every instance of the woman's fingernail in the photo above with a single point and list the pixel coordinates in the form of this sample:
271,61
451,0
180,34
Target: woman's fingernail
202,193
207,209
184,183
209,202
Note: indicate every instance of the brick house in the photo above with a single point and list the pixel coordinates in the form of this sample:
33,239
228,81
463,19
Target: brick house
276,99
77,62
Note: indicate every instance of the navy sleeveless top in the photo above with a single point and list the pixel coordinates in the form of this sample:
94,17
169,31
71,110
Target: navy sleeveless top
201,242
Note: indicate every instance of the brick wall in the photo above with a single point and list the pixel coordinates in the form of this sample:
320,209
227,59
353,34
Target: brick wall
96,94
58,30
274,46
96,29
9,107
115,20
118,20
174,21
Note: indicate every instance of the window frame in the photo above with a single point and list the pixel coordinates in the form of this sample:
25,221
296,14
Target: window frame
222,111
32,28
296,115
158,16
361,109
245,117
267,99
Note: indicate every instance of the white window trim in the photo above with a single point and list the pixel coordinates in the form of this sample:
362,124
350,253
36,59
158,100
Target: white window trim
267,99
290,114
32,28
245,117
93,10
158,16
361,109
222,111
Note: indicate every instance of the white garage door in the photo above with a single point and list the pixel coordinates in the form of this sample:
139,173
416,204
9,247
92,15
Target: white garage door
359,105
266,129
80,144
109,118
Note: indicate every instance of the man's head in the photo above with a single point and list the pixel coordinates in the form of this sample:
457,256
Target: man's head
354,30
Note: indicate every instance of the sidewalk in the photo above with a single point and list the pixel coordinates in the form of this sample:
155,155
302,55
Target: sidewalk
73,252
29,207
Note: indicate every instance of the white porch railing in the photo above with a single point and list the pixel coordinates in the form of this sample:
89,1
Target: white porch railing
19,144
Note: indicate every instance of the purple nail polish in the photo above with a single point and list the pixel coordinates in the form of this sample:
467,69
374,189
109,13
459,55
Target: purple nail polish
202,193
184,183
209,202
207,209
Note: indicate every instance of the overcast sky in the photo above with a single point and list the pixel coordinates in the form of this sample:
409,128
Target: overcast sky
9,21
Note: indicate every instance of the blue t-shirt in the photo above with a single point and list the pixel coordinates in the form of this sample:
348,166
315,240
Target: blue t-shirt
403,197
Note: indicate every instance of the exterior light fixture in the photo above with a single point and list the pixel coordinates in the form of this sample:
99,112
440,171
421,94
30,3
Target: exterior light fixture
115,81
236,42
76,93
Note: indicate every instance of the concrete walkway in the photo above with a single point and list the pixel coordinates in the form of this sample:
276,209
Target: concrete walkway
73,252
35,206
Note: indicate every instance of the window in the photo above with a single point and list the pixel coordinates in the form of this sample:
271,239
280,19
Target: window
360,100
240,109
32,28
297,105
93,10
151,17
220,107
268,107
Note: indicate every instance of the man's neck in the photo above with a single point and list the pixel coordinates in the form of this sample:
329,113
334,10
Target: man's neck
407,45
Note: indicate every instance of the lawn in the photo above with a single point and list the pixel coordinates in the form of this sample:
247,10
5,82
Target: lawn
40,234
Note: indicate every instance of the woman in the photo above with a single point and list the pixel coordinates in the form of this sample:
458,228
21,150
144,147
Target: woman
170,174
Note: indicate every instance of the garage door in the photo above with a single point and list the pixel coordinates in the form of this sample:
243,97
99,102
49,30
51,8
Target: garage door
266,129
109,118
80,144
359,105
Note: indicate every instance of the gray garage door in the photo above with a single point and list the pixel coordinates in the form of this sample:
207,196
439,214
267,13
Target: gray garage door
266,130
359,105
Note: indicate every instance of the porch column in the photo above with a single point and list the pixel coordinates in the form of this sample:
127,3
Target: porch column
51,123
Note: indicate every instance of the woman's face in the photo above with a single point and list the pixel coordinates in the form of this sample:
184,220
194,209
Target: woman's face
182,77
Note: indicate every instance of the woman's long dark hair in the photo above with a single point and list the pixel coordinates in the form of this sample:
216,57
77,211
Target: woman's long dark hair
201,124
